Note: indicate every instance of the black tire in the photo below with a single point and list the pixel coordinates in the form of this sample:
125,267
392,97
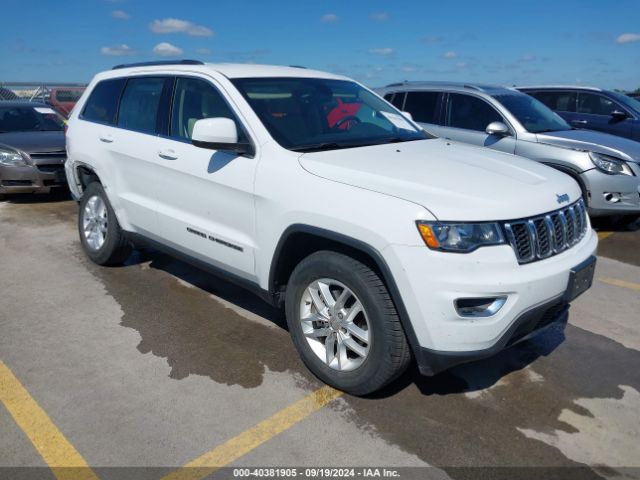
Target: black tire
116,248
389,354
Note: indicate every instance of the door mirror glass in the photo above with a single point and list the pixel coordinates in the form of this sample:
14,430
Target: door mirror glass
218,133
497,128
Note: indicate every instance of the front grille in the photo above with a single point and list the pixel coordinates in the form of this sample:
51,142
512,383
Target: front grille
56,154
541,237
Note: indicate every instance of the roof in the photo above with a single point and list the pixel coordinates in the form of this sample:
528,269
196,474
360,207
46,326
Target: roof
230,70
550,87
459,86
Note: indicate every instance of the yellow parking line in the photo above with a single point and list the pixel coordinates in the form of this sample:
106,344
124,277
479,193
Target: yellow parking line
620,283
603,235
242,444
64,460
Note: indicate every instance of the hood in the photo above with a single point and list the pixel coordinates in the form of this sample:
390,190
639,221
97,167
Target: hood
593,142
452,180
34,142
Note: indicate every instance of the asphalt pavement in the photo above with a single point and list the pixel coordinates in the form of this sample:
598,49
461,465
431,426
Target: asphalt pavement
155,365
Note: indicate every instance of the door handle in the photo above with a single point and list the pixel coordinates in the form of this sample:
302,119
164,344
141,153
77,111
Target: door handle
579,122
106,138
167,154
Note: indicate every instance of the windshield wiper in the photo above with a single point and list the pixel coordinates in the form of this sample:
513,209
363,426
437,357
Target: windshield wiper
317,147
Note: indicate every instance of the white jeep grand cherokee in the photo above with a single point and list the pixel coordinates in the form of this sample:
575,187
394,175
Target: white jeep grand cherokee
382,243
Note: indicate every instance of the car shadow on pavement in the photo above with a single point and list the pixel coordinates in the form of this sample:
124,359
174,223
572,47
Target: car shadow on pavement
480,374
209,283
62,195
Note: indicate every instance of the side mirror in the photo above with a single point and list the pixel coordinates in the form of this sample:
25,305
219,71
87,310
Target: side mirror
219,134
407,115
619,114
498,128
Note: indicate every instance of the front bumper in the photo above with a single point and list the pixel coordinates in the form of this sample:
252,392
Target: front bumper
613,194
528,324
431,281
31,178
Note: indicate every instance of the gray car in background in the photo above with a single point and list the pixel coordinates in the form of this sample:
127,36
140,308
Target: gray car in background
32,148
606,167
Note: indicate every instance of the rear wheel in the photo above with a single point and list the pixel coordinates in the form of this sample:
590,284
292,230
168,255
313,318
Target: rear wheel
102,238
344,324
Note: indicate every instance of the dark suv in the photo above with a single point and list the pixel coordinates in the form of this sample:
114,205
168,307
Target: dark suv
592,108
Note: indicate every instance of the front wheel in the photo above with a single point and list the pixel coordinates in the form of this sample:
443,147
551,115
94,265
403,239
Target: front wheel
344,324
102,238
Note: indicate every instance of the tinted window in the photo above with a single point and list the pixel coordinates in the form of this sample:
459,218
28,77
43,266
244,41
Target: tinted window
594,104
307,114
422,106
532,114
103,101
140,103
470,113
196,99
558,101
29,119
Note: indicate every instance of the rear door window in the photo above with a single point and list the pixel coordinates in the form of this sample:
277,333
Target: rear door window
102,104
561,101
140,104
596,104
470,113
422,106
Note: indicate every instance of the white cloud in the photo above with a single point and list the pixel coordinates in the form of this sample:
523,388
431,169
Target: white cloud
461,64
117,51
120,15
203,51
175,25
379,16
450,55
628,38
165,49
382,51
408,69
329,18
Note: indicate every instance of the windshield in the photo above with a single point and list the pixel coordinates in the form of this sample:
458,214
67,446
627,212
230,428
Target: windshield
307,114
534,116
29,119
627,101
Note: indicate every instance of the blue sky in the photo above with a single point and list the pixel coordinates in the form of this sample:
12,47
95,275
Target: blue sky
377,42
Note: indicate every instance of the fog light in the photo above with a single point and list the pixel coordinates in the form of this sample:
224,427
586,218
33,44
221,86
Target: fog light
479,307
612,197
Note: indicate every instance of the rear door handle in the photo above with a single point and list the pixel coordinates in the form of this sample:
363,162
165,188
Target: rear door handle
167,154
106,138
579,122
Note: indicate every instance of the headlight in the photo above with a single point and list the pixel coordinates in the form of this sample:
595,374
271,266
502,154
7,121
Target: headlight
460,237
11,158
609,164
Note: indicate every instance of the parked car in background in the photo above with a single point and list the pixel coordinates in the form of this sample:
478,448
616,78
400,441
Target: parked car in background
592,108
380,242
606,167
634,95
32,148
64,99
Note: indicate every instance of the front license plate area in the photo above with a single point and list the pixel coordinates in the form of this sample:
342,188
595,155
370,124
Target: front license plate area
580,279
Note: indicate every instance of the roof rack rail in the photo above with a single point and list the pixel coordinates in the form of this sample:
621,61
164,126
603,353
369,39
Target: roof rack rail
160,62
472,87
298,66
